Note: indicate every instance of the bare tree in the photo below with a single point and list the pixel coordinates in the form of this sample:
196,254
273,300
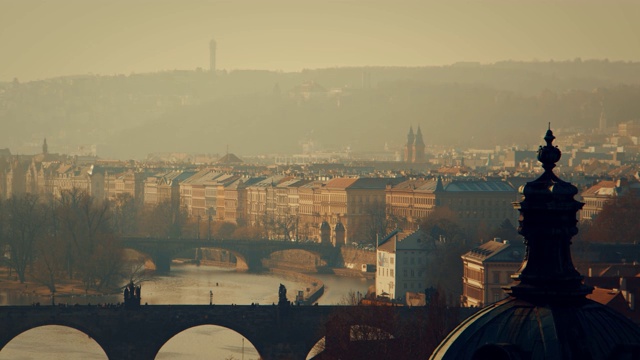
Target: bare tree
125,215
82,222
448,241
164,220
24,222
376,222
617,222
285,226
48,266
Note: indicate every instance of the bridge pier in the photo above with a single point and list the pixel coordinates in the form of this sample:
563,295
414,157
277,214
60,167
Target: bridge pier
130,351
162,262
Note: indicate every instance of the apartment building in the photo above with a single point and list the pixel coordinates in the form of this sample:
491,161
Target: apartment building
598,195
480,202
487,269
411,201
401,263
350,202
164,187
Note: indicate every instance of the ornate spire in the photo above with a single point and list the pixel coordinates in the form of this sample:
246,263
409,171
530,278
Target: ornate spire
418,138
408,148
410,136
548,222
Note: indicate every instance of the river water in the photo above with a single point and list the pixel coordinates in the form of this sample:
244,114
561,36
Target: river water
186,284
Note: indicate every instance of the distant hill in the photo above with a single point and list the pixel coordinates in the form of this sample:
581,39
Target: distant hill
253,112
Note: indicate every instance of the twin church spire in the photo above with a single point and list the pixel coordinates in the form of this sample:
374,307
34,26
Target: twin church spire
414,149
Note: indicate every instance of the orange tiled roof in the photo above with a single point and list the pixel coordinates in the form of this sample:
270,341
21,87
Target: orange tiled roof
341,183
594,190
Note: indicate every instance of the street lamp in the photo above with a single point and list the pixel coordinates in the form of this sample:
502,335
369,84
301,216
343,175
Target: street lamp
209,229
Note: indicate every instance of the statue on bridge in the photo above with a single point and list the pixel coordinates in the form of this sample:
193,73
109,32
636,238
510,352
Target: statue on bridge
282,296
132,295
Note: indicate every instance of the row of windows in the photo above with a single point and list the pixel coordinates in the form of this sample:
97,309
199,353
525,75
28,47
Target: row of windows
410,200
473,274
385,272
412,273
473,292
476,202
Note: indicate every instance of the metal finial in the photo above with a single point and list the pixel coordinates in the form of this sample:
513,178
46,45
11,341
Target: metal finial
549,155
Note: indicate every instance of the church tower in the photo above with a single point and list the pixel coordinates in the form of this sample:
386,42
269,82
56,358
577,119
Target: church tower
418,148
408,148
45,147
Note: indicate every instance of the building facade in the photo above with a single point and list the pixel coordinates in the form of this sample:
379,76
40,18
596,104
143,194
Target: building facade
401,263
487,269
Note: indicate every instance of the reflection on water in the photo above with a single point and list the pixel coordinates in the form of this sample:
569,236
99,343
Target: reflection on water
186,284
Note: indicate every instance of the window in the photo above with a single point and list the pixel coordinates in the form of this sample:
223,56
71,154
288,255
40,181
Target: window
496,277
392,273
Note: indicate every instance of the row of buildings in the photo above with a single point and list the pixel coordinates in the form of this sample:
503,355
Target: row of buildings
295,205
402,259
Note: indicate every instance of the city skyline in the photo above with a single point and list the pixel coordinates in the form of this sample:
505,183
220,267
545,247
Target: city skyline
72,37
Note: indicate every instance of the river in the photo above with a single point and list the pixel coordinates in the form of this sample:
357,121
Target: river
186,284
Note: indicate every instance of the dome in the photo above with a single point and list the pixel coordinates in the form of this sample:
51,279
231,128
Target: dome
547,315
517,329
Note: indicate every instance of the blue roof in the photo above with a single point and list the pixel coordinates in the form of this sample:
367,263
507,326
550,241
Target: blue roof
477,186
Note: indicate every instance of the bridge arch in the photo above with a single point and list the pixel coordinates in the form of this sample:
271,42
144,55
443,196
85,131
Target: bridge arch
213,337
252,252
94,337
252,338
242,264
308,256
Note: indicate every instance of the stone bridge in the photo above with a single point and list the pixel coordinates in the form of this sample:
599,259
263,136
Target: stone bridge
249,253
277,332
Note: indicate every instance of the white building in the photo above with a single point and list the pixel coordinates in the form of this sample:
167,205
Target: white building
402,261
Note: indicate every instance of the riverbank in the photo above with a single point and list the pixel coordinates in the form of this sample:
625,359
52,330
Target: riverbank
66,288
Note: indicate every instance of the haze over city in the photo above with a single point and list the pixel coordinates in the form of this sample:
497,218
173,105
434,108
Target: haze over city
372,157
44,39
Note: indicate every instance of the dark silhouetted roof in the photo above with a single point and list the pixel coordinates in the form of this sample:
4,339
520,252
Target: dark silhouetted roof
587,330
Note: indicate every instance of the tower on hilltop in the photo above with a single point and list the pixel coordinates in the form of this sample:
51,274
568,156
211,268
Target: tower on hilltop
212,56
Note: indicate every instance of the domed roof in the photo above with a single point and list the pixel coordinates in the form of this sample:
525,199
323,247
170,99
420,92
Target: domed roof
547,315
519,329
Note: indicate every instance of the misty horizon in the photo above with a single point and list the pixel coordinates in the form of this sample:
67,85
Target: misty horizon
71,37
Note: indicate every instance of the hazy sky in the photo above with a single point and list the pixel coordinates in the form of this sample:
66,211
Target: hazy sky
40,39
